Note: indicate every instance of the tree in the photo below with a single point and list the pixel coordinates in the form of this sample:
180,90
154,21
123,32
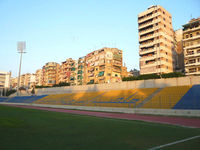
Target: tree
33,91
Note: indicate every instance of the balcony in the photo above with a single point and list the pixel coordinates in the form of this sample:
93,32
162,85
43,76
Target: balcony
192,38
143,52
146,58
192,46
101,78
117,70
193,73
149,44
191,30
192,55
148,17
116,63
148,30
151,36
149,23
192,64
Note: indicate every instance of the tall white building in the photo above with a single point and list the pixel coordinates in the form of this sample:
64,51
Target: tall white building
156,40
5,79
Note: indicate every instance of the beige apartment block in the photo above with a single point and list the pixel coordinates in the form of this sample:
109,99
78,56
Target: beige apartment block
103,66
179,54
124,73
81,71
191,44
156,41
26,80
50,74
14,82
68,71
38,77
5,79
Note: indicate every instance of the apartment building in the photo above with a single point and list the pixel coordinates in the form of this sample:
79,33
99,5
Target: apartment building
68,71
103,66
191,45
50,74
5,79
38,77
14,82
26,80
156,41
81,73
179,55
124,72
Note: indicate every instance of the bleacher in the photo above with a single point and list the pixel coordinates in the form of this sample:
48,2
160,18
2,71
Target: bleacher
123,98
23,99
3,99
191,100
82,98
176,97
167,97
111,98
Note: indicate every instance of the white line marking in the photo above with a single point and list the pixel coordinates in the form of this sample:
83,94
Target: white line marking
176,142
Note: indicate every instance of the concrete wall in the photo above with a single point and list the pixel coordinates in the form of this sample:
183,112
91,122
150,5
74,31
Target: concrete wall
153,83
168,112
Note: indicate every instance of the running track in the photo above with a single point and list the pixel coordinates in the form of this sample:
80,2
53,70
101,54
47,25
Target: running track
180,121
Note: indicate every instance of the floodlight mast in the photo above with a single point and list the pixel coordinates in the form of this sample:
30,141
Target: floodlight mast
21,47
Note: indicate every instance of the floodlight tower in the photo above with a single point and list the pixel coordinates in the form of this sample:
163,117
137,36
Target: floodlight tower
21,48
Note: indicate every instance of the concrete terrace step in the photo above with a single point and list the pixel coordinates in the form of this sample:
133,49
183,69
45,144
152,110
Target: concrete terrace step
148,98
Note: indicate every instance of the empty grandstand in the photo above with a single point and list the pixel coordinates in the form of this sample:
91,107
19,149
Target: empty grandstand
175,97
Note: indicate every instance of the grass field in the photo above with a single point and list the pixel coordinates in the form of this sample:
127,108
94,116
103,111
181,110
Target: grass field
29,129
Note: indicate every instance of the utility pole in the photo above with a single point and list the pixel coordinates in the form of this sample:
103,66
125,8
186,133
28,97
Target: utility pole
21,47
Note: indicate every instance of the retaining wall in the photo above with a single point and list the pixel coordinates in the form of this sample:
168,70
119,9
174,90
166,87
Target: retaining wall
152,83
168,112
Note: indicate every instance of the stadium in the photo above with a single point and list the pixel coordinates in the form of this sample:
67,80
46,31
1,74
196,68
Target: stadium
145,114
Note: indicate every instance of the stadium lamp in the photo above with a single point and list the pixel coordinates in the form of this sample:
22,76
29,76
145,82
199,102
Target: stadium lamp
21,48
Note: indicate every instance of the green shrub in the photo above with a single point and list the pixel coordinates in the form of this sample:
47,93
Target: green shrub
153,76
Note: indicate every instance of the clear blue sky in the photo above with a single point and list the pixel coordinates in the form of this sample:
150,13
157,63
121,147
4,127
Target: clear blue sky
59,29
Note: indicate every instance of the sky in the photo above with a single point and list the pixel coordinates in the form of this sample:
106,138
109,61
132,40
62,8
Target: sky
55,30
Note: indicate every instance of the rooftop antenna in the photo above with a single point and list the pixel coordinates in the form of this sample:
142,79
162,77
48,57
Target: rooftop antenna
21,48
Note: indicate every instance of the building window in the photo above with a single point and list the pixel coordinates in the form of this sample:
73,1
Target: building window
191,70
164,19
164,25
192,61
197,33
190,52
187,36
190,35
158,66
